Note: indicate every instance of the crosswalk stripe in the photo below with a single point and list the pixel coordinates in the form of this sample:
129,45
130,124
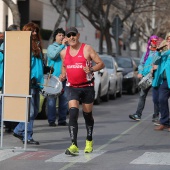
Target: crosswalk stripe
153,158
82,157
7,153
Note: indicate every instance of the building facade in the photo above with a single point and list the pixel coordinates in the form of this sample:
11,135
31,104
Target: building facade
44,14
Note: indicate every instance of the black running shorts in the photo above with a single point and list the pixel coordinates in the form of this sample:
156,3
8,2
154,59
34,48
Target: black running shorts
84,94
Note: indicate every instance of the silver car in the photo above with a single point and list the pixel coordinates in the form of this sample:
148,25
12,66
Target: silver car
115,76
101,86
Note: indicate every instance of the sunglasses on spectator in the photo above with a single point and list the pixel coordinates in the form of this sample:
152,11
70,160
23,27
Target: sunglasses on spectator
153,40
71,34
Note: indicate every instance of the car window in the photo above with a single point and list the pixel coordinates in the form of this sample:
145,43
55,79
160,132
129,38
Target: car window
124,62
108,63
137,61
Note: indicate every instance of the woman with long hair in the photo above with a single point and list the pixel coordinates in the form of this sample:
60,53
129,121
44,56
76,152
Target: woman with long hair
36,81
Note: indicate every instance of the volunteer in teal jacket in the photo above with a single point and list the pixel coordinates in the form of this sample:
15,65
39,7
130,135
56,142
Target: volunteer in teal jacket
162,80
37,80
145,66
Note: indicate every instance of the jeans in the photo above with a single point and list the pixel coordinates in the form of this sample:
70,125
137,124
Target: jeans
34,108
0,110
155,98
164,94
62,107
142,99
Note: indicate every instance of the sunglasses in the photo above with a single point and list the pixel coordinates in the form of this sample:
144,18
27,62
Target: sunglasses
71,34
153,41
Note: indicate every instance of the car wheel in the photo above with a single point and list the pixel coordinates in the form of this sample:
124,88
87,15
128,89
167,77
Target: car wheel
113,96
105,98
119,94
97,101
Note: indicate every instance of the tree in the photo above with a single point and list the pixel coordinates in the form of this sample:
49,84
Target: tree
136,15
97,13
14,10
60,6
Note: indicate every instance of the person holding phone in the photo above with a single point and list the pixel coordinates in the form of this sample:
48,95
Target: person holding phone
54,60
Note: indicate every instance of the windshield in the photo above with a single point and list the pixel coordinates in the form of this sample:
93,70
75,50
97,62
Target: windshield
108,63
124,62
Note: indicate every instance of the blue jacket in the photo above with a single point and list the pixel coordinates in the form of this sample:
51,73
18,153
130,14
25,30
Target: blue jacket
37,70
54,59
164,65
2,46
145,68
1,69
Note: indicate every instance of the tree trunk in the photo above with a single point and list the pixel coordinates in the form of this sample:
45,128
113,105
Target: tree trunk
108,41
14,10
101,42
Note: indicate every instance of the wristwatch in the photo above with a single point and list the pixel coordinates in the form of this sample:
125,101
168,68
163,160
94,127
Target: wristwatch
91,69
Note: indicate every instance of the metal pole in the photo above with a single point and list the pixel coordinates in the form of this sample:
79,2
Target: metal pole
26,123
2,119
72,13
153,15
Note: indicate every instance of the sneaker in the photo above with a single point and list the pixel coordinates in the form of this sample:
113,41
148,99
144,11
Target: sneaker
72,150
53,124
18,136
157,123
155,119
63,124
135,117
89,147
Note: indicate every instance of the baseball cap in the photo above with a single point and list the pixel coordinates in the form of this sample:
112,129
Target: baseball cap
71,29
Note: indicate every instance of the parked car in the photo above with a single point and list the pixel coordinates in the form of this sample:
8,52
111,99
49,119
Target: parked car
101,86
130,79
137,60
115,76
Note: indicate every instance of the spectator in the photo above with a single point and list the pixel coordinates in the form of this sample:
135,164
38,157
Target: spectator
54,60
145,67
36,80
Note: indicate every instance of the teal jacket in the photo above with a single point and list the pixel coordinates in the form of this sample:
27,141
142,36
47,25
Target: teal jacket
2,46
1,69
54,59
164,65
37,71
145,68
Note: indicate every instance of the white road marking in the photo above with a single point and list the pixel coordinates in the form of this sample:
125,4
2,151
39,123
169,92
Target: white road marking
82,157
153,158
5,154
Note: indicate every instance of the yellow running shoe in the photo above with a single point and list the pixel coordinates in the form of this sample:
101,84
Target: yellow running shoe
89,147
72,150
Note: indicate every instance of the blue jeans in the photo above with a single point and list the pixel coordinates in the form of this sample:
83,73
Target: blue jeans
164,94
142,99
155,98
62,107
34,108
0,110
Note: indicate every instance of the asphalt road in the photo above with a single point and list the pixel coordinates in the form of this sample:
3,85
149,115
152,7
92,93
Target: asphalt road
119,143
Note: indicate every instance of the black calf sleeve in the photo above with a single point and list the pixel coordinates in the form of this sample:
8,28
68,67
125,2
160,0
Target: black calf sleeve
73,125
89,124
